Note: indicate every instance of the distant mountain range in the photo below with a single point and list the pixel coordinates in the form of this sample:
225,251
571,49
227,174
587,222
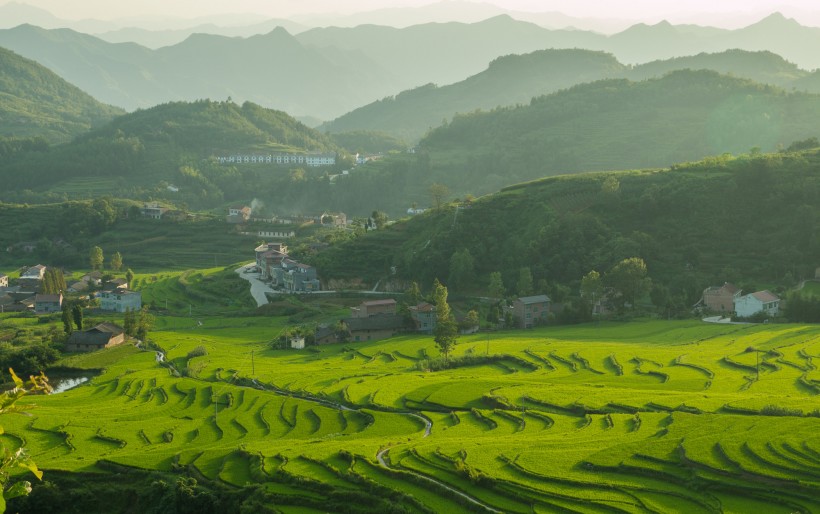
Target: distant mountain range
516,79
34,101
326,72
274,70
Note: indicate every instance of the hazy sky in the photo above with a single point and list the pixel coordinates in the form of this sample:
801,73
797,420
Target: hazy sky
637,9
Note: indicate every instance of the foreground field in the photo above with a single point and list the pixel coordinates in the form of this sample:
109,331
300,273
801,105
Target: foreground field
639,417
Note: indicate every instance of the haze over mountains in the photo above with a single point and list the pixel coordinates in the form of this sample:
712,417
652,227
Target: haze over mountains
326,72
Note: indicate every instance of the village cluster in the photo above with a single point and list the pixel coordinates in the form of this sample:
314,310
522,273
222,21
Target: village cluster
26,294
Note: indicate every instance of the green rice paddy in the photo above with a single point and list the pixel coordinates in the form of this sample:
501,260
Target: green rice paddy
631,417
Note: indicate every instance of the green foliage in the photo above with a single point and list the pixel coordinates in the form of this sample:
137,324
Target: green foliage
462,270
13,460
115,263
445,332
524,285
629,281
95,258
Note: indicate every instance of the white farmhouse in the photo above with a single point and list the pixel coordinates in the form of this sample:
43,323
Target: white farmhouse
761,301
120,300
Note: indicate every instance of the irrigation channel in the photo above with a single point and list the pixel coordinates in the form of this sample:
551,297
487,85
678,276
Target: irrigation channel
382,457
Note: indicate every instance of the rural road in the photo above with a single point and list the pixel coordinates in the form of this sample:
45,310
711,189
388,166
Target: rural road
258,288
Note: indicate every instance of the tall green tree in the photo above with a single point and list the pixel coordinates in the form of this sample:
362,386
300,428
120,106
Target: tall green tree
68,326
95,258
129,277
524,285
496,287
591,286
446,329
145,322
629,279
116,262
462,269
77,314
413,294
129,323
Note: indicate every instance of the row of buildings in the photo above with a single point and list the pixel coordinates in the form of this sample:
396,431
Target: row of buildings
379,319
310,159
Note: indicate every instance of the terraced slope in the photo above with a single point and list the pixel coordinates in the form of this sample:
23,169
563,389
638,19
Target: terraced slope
641,417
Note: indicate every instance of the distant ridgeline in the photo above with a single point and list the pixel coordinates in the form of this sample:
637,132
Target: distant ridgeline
311,159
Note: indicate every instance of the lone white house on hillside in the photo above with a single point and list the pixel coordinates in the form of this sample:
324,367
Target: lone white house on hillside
761,301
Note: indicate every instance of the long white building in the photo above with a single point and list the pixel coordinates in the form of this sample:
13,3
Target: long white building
311,159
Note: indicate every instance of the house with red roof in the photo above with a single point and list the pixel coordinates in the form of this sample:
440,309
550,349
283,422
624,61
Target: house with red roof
721,298
761,301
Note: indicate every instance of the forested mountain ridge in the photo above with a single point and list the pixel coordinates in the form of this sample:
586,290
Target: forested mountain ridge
34,101
618,124
172,143
751,219
515,79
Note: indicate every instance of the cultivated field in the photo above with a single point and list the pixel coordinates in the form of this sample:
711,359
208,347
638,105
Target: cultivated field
637,417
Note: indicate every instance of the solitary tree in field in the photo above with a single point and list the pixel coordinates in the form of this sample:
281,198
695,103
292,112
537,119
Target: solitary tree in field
446,329
116,262
95,258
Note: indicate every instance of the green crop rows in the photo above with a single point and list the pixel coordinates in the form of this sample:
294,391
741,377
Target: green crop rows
638,417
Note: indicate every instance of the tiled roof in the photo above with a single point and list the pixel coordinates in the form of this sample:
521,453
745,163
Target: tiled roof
765,296
423,307
374,303
528,300
53,298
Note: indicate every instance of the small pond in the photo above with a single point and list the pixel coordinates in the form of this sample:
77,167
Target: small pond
61,384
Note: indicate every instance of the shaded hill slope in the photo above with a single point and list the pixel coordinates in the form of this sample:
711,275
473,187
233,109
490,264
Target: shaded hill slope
748,219
36,102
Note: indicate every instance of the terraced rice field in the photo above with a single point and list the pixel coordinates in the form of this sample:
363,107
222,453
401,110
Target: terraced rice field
639,417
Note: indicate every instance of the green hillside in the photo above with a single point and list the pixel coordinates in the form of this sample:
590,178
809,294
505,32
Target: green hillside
36,102
139,154
752,220
618,124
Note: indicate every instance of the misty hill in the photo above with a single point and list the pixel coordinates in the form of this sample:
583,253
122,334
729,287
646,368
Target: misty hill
273,69
325,72
443,53
141,153
517,79
749,220
508,80
619,124
36,102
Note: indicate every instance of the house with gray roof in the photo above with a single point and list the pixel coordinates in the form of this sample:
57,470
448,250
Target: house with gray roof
529,311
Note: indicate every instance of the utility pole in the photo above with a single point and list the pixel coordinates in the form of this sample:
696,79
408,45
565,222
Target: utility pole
253,368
